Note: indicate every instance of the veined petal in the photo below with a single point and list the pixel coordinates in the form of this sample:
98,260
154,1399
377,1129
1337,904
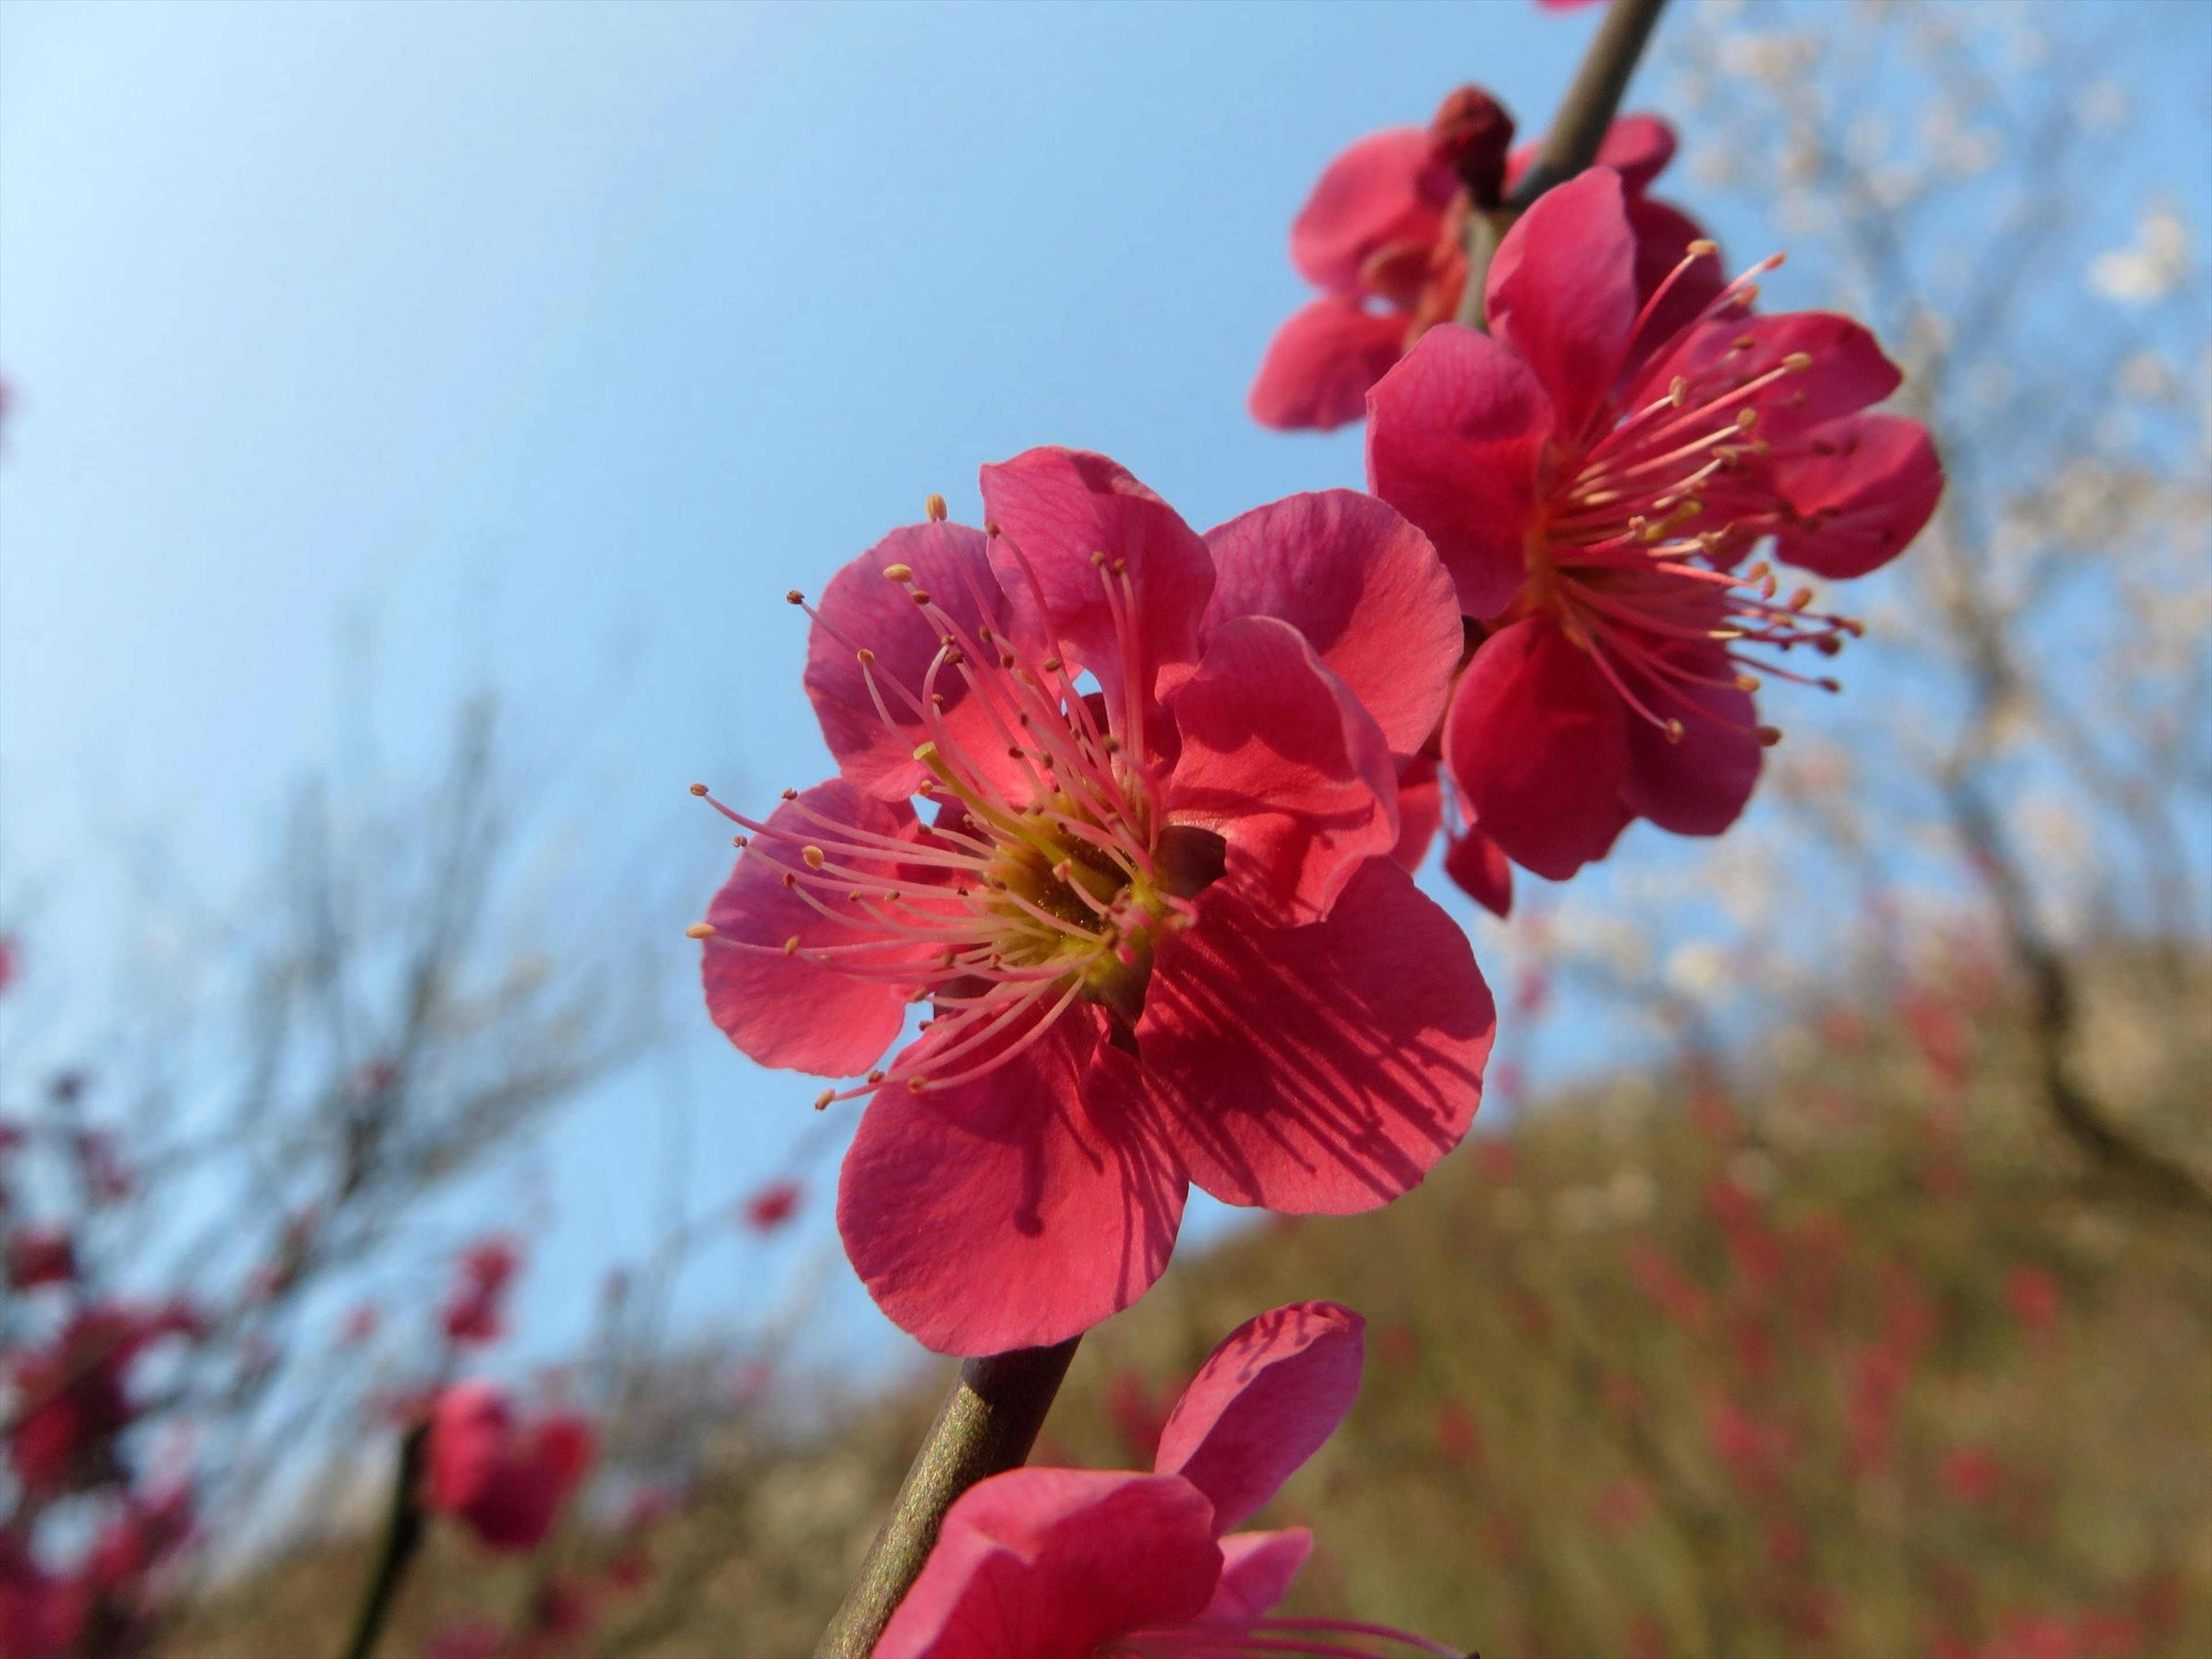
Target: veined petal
1387,188
1048,1563
1264,1401
1322,362
1316,1070
1537,741
1478,867
1420,812
1454,434
1016,1210
1843,368
1362,585
1562,294
778,1007
1699,784
1862,488
1280,761
863,608
1062,506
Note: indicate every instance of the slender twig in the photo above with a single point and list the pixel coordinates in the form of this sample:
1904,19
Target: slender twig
986,1425
1572,141
403,1527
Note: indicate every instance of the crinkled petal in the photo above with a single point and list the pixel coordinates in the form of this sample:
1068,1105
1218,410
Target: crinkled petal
1362,585
1322,362
1049,1563
1280,761
1697,786
862,608
1454,434
1420,812
1058,509
1257,1570
1860,488
1013,1211
1387,188
1316,1070
1562,294
1536,741
783,1009
1263,1403
1478,867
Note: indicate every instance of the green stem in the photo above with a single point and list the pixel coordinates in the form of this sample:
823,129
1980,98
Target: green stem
404,1527
986,1425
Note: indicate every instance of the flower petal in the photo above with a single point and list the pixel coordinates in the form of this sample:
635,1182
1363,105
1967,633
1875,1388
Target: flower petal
863,608
1455,433
1387,188
1316,1070
783,1009
1844,370
1862,488
1562,293
1059,507
1280,761
1698,786
1420,812
1263,1403
1016,1210
1050,1564
1478,867
1322,360
1257,1570
1663,235
1536,741
1362,585
1637,146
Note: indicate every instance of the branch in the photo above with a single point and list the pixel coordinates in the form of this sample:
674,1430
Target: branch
985,1426
403,1537
1572,142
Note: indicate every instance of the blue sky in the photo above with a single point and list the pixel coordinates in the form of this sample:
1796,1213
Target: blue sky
545,346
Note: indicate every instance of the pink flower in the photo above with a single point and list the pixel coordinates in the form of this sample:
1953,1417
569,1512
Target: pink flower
40,1255
1382,236
41,1616
72,1398
1156,922
476,1311
1592,472
771,1206
1068,1563
506,1481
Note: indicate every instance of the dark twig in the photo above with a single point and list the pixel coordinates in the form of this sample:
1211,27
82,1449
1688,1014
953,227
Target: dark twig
1571,144
986,1425
403,1527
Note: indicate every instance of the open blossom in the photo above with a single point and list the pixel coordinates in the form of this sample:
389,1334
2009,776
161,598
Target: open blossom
1594,474
507,1479
1068,1563
1384,237
476,1311
1156,921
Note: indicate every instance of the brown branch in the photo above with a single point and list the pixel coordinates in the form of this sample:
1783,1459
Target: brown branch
986,1425
1571,144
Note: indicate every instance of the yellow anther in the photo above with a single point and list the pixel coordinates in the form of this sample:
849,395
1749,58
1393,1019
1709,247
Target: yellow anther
1673,730
812,855
792,596
700,930
933,508
791,795
1798,362
1768,736
791,945
1801,599
1703,248
1747,683
1746,419
875,1077
698,788
822,1101
867,657
899,573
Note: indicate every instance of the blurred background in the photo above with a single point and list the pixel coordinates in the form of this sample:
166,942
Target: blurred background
414,418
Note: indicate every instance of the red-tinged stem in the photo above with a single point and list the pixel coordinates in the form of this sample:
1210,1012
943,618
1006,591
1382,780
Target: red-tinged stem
403,1527
986,1425
1571,144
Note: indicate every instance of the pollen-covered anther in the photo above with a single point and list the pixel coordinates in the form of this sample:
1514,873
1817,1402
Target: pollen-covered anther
1798,362
1747,683
1768,736
875,1076
791,945
1703,248
867,657
698,788
700,930
822,1101
812,855
791,795
1801,599
792,596
1673,730
920,596
899,573
933,508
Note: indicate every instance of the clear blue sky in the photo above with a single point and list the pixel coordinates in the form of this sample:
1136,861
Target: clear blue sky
546,345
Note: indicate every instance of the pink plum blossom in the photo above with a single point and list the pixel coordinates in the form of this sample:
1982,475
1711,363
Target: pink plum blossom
1069,1563
1594,472
1151,903
505,1478
1384,237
